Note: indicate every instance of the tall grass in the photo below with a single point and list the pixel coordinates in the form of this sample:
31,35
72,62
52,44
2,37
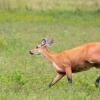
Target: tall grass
50,4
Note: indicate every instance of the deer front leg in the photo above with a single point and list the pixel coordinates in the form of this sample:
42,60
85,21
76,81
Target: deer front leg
56,79
69,74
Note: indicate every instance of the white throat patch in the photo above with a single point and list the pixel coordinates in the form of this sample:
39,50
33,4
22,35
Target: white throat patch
57,67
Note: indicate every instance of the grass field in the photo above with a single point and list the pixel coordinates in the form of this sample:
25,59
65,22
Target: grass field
23,77
49,4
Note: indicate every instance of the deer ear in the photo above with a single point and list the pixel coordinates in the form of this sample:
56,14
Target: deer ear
50,42
43,42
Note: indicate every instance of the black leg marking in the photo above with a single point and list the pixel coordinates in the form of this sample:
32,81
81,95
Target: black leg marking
69,80
50,85
97,82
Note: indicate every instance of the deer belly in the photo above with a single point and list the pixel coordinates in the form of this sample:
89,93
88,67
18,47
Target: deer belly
81,67
57,67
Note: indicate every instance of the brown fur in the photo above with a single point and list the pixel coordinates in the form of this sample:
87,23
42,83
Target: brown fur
72,61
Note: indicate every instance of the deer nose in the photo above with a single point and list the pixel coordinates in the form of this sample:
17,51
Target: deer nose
31,52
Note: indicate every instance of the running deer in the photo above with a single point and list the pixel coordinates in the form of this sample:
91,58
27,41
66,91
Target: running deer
70,61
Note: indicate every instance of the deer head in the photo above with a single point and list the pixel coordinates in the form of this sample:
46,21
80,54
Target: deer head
40,47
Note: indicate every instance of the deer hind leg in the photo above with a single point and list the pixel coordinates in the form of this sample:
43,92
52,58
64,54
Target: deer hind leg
58,77
98,78
97,81
96,60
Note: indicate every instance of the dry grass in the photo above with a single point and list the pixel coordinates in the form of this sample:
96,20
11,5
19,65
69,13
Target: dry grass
50,4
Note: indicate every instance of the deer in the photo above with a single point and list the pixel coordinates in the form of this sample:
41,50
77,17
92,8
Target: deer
70,61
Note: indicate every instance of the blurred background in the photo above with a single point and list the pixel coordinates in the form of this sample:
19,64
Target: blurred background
23,23
49,4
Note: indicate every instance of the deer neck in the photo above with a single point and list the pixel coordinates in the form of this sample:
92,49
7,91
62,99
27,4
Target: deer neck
48,55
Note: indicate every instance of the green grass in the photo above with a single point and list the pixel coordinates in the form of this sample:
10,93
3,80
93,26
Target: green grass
23,77
76,17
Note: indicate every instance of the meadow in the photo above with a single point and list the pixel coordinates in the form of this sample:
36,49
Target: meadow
26,77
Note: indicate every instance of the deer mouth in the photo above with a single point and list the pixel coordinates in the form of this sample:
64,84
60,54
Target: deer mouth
30,52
